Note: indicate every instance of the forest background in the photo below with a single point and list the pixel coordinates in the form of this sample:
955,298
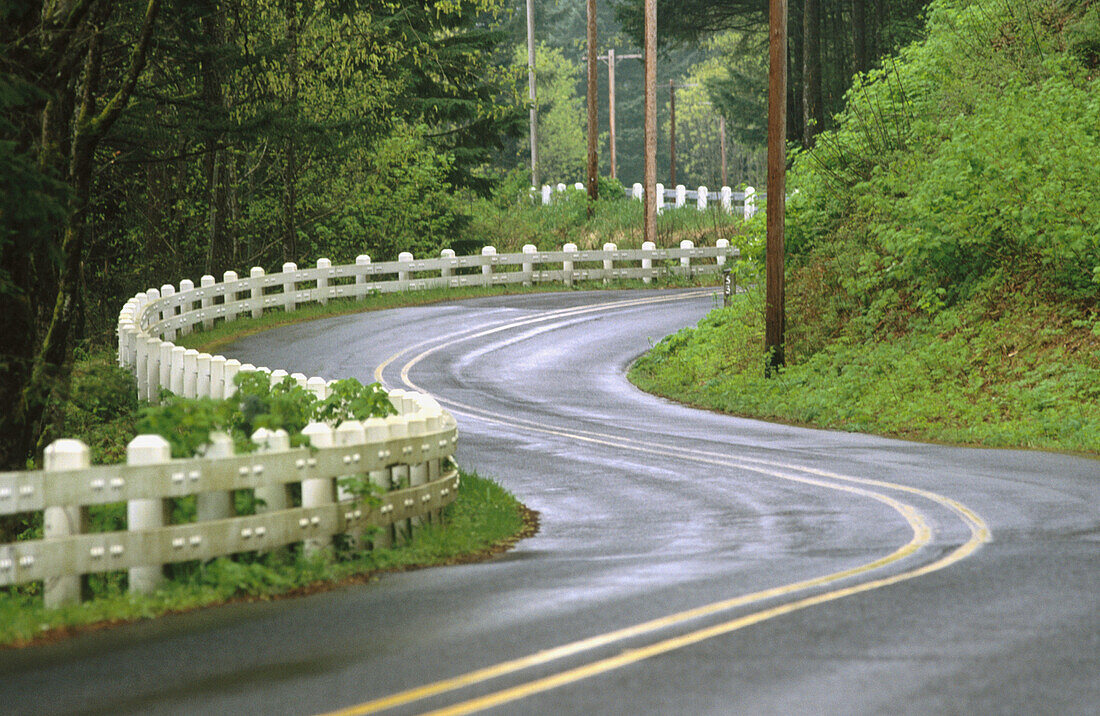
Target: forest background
143,141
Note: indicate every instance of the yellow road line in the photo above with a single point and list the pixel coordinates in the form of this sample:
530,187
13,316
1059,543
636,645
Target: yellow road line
633,656
921,536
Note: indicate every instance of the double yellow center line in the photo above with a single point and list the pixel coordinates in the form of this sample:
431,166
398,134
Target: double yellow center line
862,487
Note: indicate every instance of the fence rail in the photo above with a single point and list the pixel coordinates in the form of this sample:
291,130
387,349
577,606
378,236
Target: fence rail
299,494
679,196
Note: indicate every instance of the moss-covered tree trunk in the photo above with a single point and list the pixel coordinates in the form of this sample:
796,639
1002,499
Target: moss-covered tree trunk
43,308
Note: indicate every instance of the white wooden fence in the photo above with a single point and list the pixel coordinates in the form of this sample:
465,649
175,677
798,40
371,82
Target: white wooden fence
679,197
406,456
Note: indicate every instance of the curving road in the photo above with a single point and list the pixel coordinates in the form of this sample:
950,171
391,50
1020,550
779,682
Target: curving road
688,562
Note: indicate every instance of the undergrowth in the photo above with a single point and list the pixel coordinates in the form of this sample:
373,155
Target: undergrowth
1011,380
512,218
943,248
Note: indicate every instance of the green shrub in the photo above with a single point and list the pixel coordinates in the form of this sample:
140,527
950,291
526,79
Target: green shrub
186,423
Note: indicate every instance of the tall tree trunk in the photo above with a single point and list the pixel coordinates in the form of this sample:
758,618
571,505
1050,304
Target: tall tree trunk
51,364
878,40
219,252
290,167
859,35
795,95
813,116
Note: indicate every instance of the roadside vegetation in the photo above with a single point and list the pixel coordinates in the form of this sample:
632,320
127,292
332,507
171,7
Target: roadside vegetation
512,217
103,412
943,243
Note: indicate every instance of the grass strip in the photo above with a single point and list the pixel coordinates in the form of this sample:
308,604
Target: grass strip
1020,380
484,520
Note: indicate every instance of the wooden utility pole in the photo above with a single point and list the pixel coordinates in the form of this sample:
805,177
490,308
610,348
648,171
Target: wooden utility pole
532,94
611,58
672,133
611,106
774,309
593,109
722,146
649,232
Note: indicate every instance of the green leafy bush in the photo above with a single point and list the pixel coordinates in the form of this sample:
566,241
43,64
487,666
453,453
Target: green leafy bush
257,403
943,248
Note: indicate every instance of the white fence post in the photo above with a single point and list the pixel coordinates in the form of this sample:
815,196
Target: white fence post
322,280
186,286
176,382
215,505
546,191
153,294
165,369
608,263
207,301
63,521
750,202
648,263
433,415
256,291
567,264
361,278
141,368
318,387
727,199
289,286
230,296
232,368
685,261
398,428
152,368
404,274
317,491
445,270
701,202
350,433
216,388
487,267
190,373
637,191
681,195
273,497
660,191
202,378
528,266
167,291
722,244
418,473
377,431
147,514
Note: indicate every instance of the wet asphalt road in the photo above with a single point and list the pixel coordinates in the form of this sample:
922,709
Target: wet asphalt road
688,562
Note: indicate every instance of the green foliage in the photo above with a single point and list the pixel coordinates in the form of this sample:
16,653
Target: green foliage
102,406
186,423
351,400
397,198
943,249
1013,381
515,216
561,148
971,157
